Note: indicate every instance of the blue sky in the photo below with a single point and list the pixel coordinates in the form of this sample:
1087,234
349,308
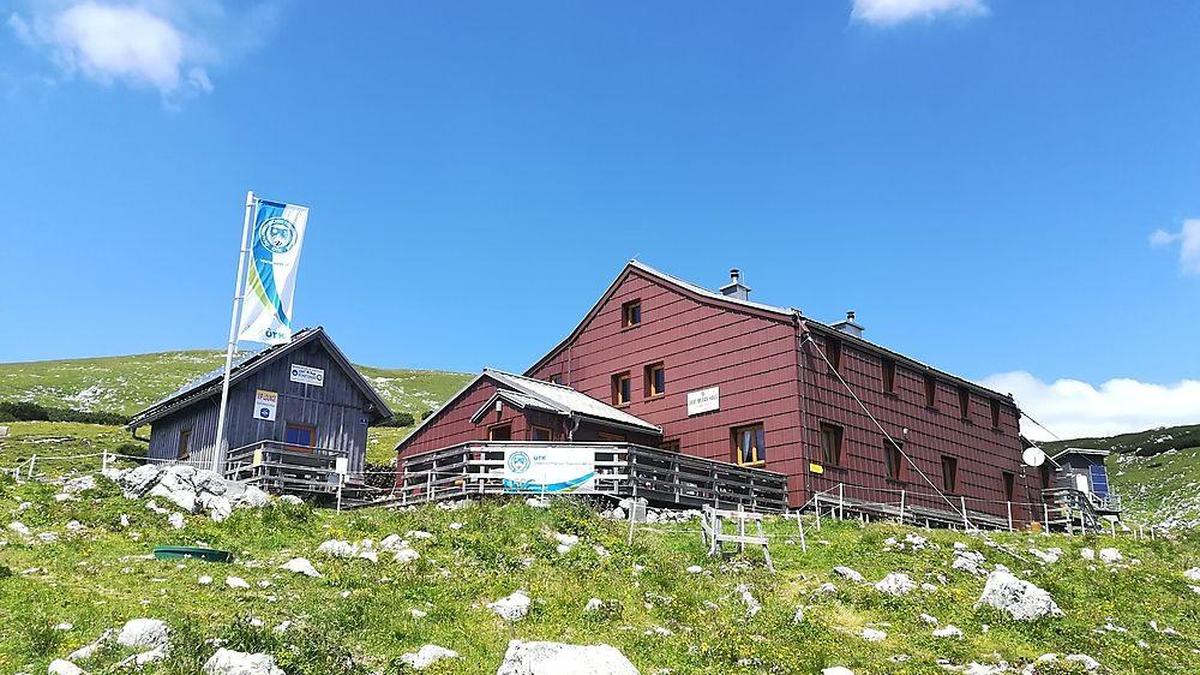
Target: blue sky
1003,189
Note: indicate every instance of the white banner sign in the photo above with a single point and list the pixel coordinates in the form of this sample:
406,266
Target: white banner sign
548,469
271,278
307,375
265,403
704,400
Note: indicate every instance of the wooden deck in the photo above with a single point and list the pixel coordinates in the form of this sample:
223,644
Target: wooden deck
621,470
280,468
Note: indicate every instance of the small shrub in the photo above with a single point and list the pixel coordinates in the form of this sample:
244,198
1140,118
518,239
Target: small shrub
132,449
24,411
400,419
425,415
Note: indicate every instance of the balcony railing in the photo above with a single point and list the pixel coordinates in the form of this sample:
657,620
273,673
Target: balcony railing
619,469
281,467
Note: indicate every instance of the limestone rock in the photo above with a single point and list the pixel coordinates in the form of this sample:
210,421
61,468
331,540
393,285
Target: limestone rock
896,583
849,574
427,656
1022,600
145,634
300,566
511,608
61,667
545,658
229,662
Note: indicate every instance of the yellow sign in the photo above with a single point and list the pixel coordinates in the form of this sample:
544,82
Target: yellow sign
816,468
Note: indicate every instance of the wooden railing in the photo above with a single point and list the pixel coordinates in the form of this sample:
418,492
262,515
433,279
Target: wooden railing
663,478
284,468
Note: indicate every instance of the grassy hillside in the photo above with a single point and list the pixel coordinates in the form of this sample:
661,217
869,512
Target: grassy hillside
357,618
1156,472
127,384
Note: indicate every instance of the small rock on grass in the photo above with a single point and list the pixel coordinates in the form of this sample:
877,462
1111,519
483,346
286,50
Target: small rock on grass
849,573
873,635
62,667
511,608
229,662
540,658
427,656
300,566
948,632
236,582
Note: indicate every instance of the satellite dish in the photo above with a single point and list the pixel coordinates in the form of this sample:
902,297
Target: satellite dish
1034,456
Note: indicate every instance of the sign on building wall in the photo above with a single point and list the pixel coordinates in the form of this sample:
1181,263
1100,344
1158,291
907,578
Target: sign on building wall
308,375
265,403
704,400
547,470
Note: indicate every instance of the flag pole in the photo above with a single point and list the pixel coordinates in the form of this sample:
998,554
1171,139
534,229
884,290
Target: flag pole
238,290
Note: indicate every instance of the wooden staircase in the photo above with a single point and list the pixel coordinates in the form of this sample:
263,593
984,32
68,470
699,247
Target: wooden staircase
1069,510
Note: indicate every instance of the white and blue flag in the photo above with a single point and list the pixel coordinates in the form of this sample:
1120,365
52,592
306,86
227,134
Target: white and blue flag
271,278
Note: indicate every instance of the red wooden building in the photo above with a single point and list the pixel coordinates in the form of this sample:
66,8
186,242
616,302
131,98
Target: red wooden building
726,378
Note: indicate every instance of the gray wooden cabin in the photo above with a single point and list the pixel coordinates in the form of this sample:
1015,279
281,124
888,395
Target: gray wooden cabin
313,424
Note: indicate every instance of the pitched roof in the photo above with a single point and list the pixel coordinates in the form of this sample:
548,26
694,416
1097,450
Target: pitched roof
209,384
567,401
1099,452
758,308
527,392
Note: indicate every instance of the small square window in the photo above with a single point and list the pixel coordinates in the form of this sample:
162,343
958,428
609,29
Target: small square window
656,380
500,433
930,392
631,313
893,459
833,350
964,402
537,433
949,473
889,376
831,444
555,378
749,444
622,390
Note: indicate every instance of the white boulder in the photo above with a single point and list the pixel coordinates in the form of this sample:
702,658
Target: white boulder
236,582
145,634
546,658
1192,574
849,574
1110,556
338,548
81,484
61,667
511,608
300,566
20,528
427,656
229,662
949,631
1021,599
873,635
896,583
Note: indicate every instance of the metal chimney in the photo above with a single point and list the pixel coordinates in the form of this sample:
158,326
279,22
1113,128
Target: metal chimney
735,288
849,326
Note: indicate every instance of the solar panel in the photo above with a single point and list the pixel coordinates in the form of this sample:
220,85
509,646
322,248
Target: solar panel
1099,480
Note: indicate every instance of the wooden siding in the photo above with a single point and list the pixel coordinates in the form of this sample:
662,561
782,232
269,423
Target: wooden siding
766,376
337,410
984,453
752,358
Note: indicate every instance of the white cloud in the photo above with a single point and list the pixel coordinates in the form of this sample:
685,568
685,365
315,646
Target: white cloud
1076,409
1188,239
893,12
163,45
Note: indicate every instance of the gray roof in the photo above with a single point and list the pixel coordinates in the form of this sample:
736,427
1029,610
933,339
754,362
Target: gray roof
1099,452
566,401
209,384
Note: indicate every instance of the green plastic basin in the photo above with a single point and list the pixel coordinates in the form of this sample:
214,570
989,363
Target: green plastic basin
199,553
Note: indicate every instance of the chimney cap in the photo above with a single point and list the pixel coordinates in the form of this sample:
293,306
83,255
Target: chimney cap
735,288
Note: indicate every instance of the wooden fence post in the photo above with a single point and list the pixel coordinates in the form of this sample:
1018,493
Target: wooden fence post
841,501
32,461
903,495
1010,521
428,486
800,525
962,504
1046,516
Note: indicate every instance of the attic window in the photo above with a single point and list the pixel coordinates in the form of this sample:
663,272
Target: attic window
964,402
889,376
555,378
995,414
631,313
930,392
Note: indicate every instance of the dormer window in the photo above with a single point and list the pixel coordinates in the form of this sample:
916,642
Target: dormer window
833,350
631,314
